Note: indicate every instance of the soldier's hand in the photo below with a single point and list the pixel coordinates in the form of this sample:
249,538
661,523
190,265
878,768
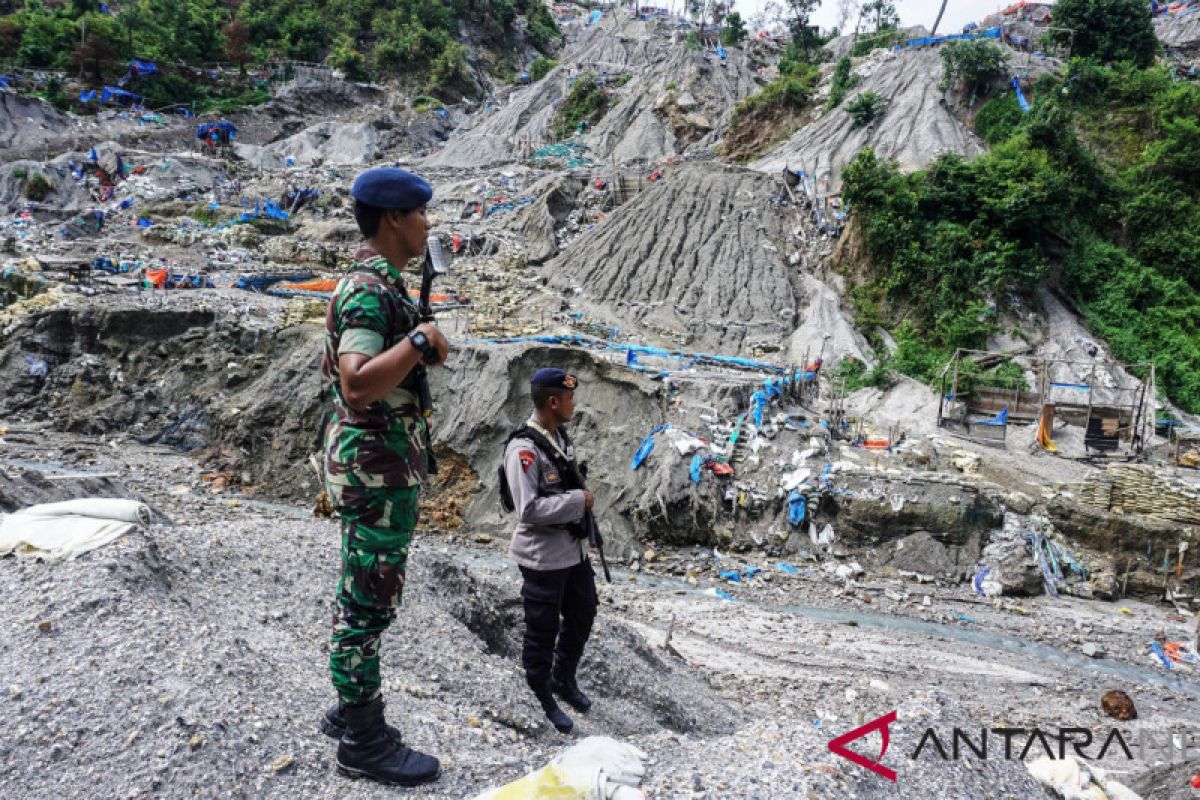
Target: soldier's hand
437,339
588,500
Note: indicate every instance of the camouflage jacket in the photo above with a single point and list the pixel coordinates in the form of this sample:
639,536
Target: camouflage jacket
381,446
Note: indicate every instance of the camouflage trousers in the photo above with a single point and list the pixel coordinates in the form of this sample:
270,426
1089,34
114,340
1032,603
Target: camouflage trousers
377,528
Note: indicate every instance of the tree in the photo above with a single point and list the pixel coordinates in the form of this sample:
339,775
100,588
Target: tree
804,37
1108,30
93,55
734,32
976,64
881,14
237,37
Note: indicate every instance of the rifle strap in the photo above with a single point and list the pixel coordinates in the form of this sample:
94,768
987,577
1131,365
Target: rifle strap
535,427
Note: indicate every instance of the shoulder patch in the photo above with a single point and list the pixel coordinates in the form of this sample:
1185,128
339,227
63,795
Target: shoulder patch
527,458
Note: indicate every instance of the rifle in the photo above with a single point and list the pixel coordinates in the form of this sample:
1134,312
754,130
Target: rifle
435,264
589,520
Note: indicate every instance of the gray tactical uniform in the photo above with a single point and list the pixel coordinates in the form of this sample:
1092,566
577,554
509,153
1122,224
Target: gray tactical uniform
543,507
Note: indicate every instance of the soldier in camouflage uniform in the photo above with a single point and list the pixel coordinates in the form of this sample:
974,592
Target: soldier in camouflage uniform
375,461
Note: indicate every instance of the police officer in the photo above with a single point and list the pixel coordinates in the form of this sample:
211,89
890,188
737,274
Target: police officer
559,587
375,461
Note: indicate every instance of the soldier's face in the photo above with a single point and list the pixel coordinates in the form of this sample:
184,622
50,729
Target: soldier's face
564,405
411,228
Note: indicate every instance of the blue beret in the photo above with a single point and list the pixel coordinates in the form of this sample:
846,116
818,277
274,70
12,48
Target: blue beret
554,377
391,188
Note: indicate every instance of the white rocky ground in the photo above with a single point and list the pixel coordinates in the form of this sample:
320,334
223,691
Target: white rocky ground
188,660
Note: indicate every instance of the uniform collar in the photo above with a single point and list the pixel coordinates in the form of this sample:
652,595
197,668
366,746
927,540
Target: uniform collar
367,258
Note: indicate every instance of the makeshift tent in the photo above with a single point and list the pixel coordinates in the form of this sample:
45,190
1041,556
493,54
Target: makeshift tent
222,132
142,68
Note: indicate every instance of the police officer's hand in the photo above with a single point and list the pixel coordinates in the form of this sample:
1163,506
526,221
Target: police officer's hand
436,338
588,500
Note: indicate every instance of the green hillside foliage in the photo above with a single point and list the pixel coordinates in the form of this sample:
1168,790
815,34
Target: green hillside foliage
368,38
1096,193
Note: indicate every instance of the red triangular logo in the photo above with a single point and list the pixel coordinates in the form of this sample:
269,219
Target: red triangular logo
838,746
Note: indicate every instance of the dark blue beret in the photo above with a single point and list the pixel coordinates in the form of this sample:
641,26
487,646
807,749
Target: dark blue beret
391,188
554,377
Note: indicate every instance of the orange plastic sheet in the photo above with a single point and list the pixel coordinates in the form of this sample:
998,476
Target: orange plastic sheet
1043,431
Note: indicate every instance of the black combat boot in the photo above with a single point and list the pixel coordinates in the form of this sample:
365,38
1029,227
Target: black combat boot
369,750
333,724
556,715
568,690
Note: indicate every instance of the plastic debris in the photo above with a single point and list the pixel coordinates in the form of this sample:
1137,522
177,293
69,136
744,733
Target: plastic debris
783,566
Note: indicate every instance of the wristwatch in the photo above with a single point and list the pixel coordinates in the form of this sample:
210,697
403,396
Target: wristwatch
429,353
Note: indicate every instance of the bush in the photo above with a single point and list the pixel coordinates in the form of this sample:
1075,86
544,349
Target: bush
37,188
843,81
449,73
865,109
585,103
975,65
541,67
887,37
20,173
999,118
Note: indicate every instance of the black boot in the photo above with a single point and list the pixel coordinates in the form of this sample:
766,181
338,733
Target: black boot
568,690
333,724
369,750
555,714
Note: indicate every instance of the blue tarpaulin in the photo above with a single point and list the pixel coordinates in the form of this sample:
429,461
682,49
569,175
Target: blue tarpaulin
1021,101
137,67
119,96
88,96
797,507
697,466
646,447
594,17
223,129
990,33
759,401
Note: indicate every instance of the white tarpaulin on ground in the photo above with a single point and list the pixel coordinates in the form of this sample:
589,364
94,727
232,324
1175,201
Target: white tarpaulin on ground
597,768
55,531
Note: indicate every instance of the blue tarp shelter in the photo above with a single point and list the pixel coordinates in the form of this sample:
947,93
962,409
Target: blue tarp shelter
225,131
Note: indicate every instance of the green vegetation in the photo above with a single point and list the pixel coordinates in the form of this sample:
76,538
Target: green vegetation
733,32
585,104
857,375
791,91
392,38
843,81
1095,192
975,65
1107,30
37,188
20,173
865,109
998,118
541,67
885,38
671,86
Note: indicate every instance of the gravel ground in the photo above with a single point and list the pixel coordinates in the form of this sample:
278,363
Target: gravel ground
189,661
